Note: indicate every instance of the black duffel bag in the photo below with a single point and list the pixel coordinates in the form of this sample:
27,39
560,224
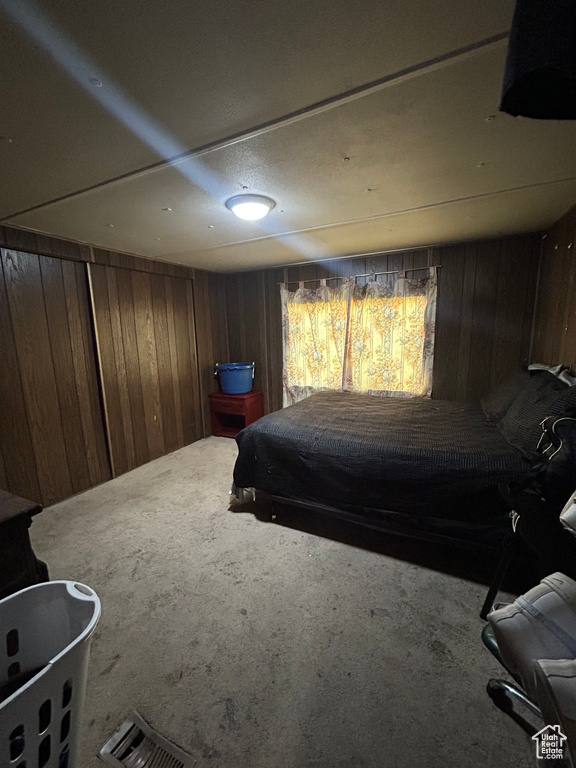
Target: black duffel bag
536,502
538,499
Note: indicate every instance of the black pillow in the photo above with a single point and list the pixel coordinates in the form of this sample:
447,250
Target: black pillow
496,403
544,396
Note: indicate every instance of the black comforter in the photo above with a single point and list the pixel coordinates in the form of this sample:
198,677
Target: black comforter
416,456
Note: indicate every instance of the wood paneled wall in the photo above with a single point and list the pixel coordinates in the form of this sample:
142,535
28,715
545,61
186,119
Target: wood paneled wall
161,333
484,317
147,350
255,329
554,338
209,290
52,441
211,335
484,321
154,374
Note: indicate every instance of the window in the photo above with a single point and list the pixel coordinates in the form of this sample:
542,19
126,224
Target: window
377,338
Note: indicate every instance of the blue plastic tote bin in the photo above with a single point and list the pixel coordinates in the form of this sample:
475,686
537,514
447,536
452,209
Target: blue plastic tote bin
235,378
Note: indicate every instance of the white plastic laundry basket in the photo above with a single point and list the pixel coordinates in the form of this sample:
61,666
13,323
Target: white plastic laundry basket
45,634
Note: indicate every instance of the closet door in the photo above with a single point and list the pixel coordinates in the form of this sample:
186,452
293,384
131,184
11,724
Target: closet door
52,439
147,351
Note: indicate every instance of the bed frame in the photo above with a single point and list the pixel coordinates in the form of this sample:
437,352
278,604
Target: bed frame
267,507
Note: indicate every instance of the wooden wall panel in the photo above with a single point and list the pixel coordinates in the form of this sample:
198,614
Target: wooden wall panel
272,341
34,242
448,326
146,341
52,427
20,473
484,305
32,334
187,363
554,337
210,312
164,363
514,308
128,369
3,471
148,363
485,294
63,359
251,337
465,322
173,352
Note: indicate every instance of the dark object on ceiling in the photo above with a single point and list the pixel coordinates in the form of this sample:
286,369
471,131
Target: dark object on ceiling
540,74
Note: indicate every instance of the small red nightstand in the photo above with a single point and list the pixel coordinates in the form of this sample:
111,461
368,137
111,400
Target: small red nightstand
231,413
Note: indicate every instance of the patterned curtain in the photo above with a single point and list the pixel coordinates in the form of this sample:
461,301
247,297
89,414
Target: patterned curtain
376,338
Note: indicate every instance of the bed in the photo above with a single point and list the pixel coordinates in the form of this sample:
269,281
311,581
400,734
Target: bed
422,467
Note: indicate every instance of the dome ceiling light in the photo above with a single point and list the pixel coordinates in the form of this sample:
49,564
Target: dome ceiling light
250,207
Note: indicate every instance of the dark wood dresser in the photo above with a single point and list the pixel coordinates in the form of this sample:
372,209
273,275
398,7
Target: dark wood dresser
19,566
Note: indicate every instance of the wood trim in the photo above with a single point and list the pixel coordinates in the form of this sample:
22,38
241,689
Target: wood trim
44,245
99,364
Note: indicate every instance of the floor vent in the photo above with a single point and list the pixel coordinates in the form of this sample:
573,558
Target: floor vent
136,745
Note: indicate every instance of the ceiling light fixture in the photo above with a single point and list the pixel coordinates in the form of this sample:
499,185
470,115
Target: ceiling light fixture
250,207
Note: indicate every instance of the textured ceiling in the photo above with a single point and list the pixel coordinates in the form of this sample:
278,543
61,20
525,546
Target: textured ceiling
372,125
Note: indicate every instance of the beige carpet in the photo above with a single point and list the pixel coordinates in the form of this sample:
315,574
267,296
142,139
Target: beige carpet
257,646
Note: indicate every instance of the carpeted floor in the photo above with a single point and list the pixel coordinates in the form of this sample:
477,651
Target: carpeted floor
258,646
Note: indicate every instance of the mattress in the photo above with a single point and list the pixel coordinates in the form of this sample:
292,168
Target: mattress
416,456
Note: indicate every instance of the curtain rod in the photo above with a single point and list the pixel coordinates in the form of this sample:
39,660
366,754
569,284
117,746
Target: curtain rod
366,274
